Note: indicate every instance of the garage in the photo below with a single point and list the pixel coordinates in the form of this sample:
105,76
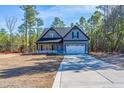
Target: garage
75,49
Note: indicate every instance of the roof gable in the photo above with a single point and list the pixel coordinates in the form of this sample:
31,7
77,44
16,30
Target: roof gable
62,32
50,29
76,27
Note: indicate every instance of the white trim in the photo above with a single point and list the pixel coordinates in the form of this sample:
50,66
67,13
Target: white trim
52,35
75,49
46,51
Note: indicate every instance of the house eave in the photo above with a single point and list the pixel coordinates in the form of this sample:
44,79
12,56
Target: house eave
50,40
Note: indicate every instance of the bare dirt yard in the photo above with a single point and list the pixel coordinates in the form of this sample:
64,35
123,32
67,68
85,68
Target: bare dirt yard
113,58
7,55
29,71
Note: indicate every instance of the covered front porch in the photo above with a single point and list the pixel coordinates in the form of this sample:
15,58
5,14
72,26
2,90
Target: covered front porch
50,48
54,46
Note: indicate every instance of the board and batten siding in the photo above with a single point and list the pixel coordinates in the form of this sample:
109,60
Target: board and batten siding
81,35
81,40
48,34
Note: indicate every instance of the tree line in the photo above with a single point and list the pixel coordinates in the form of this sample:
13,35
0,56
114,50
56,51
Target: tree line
107,27
104,28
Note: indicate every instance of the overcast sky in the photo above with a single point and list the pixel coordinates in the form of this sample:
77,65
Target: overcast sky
47,12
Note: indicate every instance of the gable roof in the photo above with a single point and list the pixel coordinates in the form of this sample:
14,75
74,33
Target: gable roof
47,29
62,31
76,27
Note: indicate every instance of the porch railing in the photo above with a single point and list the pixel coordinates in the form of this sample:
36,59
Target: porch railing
49,52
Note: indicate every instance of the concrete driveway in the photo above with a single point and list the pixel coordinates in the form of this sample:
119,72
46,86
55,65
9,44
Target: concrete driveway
87,71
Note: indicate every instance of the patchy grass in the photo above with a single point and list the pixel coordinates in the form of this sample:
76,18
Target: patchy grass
32,71
113,58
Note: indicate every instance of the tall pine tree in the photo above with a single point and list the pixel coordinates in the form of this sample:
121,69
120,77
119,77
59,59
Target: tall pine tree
29,22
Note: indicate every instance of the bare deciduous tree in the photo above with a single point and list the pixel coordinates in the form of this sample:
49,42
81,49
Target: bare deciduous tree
10,24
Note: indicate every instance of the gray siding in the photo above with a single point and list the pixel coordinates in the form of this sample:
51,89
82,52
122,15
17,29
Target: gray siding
67,40
82,40
48,34
81,35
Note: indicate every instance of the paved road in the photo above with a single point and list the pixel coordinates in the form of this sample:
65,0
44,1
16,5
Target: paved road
87,71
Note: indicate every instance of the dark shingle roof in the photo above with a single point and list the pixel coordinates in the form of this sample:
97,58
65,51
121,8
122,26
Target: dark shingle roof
61,31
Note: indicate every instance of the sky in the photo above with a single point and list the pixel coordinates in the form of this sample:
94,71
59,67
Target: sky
67,13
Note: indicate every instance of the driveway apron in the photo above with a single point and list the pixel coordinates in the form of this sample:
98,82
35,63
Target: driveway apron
87,71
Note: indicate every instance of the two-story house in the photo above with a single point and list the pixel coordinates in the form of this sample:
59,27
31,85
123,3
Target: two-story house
68,40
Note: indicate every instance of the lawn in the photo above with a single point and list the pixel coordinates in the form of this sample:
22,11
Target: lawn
113,58
29,71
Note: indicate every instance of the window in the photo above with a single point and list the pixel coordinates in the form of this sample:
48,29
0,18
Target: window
52,35
52,47
41,47
75,34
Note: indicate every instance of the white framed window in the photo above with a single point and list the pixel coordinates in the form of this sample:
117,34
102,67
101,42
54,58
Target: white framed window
75,34
52,35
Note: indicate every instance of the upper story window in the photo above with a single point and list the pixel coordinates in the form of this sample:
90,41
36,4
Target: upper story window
75,34
52,35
